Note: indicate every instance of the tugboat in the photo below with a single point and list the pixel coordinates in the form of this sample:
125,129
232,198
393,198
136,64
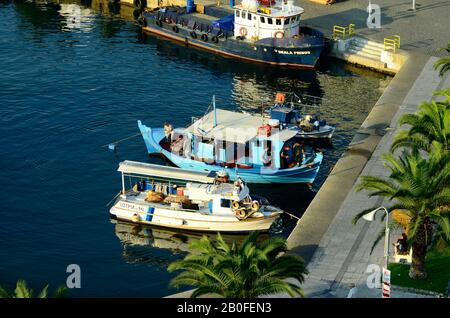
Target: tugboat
293,112
242,144
264,31
198,201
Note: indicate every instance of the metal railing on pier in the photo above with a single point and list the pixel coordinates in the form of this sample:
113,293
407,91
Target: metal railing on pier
392,43
341,32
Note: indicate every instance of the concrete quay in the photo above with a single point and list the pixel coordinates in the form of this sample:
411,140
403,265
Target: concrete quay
424,30
338,252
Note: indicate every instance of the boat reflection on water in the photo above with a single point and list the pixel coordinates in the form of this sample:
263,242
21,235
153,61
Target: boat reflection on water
149,244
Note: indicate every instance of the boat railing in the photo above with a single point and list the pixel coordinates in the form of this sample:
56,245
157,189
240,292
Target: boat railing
305,102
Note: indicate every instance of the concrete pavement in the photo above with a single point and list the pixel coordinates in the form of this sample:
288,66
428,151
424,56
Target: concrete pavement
342,254
423,30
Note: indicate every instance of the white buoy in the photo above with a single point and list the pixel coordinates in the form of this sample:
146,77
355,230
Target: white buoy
112,147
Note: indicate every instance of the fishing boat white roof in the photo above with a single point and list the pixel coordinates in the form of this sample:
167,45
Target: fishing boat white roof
152,170
233,127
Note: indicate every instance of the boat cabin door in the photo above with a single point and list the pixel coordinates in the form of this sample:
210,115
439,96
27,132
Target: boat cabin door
221,205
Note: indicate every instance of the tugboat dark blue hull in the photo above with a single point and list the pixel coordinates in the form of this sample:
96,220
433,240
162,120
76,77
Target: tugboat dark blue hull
301,52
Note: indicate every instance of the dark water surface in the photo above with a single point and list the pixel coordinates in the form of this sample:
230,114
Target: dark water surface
72,79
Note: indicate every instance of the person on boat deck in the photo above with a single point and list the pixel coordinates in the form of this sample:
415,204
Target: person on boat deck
239,183
177,145
168,131
402,244
266,157
285,157
299,152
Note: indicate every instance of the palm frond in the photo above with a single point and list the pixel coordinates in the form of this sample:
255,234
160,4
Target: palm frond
44,292
442,65
4,293
22,290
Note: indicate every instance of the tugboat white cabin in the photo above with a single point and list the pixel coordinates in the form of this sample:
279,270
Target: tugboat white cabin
259,20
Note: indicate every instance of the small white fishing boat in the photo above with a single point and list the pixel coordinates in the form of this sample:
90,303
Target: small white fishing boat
206,202
302,115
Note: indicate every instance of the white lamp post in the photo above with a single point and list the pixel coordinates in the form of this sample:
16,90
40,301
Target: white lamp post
370,217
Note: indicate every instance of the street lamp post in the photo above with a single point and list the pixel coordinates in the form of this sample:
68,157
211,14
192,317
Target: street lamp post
370,217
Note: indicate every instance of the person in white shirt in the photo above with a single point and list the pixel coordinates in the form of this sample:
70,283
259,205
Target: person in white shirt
352,291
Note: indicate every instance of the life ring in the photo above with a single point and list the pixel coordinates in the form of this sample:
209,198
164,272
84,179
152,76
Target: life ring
204,38
215,39
193,34
240,214
175,29
243,31
159,23
235,205
279,34
255,206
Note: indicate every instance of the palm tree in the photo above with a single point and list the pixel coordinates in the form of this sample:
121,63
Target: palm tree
248,270
443,64
430,124
23,291
421,189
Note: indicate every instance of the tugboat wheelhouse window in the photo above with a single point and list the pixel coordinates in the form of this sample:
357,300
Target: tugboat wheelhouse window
269,20
238,13
263,20
249,16
286,21
278,21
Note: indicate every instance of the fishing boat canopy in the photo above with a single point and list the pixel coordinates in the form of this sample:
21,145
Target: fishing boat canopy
147,169
234,127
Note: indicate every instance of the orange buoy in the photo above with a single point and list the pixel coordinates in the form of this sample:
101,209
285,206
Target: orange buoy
280,98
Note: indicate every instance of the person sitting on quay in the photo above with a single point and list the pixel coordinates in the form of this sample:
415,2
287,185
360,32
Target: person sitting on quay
402,244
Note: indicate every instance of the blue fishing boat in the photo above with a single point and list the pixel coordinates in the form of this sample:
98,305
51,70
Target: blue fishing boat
263,31
242,144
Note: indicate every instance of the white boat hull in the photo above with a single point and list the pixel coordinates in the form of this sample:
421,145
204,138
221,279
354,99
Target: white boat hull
325,132
190,220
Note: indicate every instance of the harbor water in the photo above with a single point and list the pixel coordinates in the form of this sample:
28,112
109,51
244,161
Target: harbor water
75,76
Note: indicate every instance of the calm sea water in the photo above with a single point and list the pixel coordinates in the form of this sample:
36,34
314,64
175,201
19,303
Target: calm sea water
73,78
